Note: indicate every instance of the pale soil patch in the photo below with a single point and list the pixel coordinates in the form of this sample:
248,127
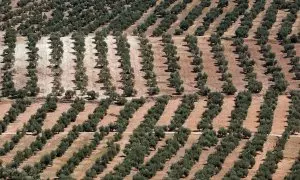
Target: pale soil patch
259,68
276,26
4,108
68,64
50,171
114,64
2,47
297,48
184,62
213,79
23,118
201,162
284,64
182,15
290,154
195,116
230,159
90,64
296,25
23,143
136,60
88,162
257,21
260,156
53,117
51,145
111,116
169,112
199,20
151,28
213,26
251,121
280,115
45,76
223,118
233,66
4,138
231,30
21,63
134,122
160,67
142,19
174,159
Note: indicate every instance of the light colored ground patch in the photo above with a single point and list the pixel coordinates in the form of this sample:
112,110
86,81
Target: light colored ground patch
4,108
277,25
53,117
280,115
111,116
2,47
169,112
251,121
195,116
21,63
224,117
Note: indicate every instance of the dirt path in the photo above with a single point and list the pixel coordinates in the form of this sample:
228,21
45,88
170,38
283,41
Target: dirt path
23,118
195,116
174,159
53,117
134,122
260,156
4,108
90,63
186,69
169,112
88,162
251,121
201,162
20,63
231,30
68,64
130,30
213,26
45,77
50,171
280,115
23,143
111,115
257,21
284,64
290,154
276,26
230,159
233,66
136,63
182,15
296,25
114,64
199,20
213,79
223,118
160,67
259,68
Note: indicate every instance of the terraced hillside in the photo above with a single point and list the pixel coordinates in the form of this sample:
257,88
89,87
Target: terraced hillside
135,89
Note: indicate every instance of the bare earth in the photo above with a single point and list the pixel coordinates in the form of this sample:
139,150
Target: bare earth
280,115
111,116
251,121
195,116
223,118
169,112
53,117
296,25
21,63
276,26
4,107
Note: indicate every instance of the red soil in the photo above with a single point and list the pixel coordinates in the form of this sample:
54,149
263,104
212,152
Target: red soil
111,116
174,159
53,117
169,112
251,121
4,107
297,48
185,61
276,26
223,118
151,28
280,115
195,116
160,67
233,66
136,60
213,79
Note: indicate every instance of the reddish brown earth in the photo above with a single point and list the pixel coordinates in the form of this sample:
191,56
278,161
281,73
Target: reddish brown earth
230,159
174,159
213,26
233,66
169,112
160,67
259,158
280,115
251,121
111,116
53,117
213,79
281,14
151,28
136,64
195,116
4,107
223,118
297,48
184,62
